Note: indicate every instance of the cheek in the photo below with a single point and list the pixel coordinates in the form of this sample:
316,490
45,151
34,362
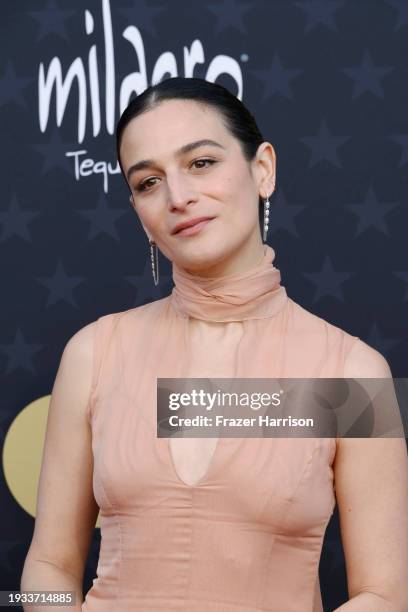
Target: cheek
148,215
239,192
237,185
245,213
228,186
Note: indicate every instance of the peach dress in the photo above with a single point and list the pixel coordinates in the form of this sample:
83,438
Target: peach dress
246,536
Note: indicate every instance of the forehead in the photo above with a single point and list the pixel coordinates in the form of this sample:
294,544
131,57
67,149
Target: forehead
170,125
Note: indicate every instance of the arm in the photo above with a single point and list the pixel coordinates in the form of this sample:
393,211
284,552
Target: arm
66,509
371,480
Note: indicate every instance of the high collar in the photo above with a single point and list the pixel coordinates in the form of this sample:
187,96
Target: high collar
253,294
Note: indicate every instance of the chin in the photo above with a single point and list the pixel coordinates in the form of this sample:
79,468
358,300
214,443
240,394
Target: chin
203,256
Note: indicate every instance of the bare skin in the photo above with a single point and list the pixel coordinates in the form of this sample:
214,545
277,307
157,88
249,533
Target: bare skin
371,476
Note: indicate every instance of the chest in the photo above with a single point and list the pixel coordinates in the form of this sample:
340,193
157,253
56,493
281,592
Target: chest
213,350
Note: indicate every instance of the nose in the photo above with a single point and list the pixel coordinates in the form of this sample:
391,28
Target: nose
179,193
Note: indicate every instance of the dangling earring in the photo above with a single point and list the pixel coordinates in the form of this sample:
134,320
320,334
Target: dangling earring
155,261
266,218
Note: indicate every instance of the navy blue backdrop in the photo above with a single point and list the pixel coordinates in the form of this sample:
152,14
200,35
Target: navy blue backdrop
328,84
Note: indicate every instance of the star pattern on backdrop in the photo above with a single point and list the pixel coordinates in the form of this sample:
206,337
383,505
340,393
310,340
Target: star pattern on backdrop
230,16
61,286
12,87
367,76
371,213
103,218
20,353
51,20
276,79
401,6
14,221
283,214
146,290
324,145
320,12
53,149
402,140
380,341
142,13
327,281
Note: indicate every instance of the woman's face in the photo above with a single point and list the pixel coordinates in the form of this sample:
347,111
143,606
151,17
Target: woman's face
173,185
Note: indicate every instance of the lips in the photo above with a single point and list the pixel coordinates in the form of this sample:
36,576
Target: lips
189,224
194,229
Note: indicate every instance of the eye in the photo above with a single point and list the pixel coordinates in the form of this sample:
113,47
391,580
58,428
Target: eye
144,185
204,159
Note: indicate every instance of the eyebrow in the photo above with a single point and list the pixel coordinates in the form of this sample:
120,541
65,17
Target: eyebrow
146,163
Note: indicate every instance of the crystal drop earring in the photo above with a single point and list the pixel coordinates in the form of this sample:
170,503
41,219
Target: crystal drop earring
154,256
266,218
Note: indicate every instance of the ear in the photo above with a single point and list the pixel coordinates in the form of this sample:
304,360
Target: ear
265,163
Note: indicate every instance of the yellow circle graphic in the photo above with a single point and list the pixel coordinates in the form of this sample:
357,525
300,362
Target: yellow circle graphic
22,453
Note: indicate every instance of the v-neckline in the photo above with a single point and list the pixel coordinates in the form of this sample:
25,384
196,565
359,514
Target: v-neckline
207,473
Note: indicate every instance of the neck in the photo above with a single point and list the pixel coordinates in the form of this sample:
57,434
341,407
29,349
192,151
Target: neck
246,257
254,293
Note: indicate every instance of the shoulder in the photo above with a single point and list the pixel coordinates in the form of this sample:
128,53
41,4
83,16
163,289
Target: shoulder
363,361
138,312
356,358
82,341
308,321
309,326
80,345
142,312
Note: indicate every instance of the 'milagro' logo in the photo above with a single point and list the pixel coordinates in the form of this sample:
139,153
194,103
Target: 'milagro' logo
86,77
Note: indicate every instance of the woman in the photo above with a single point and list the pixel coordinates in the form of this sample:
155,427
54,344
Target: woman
206,524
